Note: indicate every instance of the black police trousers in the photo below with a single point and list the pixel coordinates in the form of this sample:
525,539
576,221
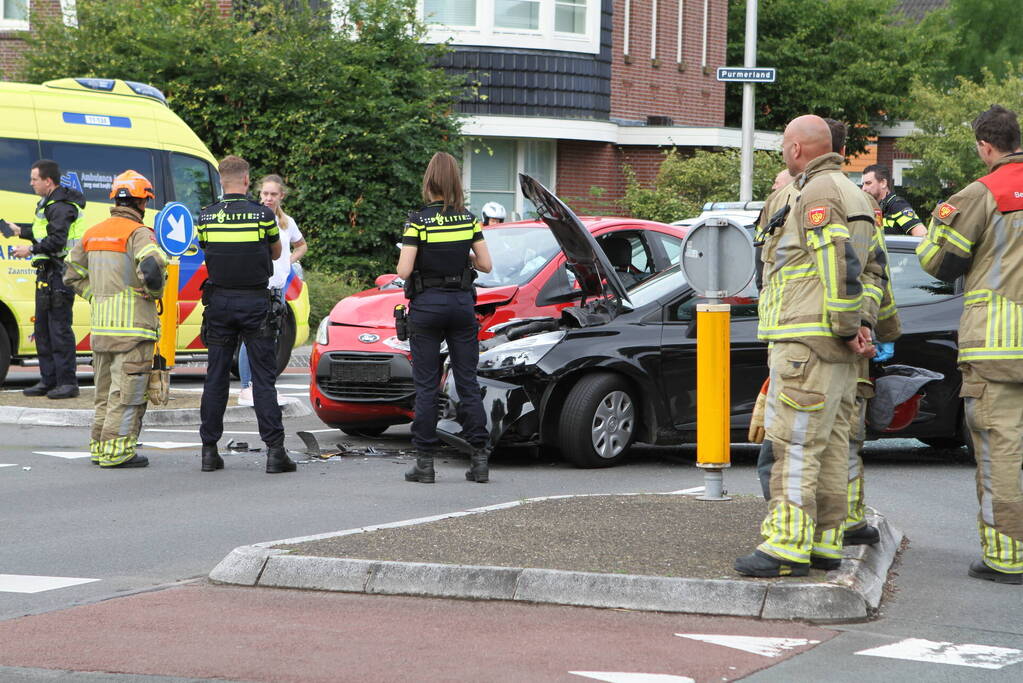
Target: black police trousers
55,341
229,315
439,315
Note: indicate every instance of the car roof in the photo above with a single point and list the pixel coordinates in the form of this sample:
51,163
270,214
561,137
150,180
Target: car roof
594,223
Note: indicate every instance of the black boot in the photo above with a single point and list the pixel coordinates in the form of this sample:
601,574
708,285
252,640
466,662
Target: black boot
423,471
979,570
134,461
479,468
827,564
38,389
277,461
864,535
63,391
759,563
211,460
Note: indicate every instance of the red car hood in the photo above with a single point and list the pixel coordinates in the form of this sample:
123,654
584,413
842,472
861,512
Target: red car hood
375,307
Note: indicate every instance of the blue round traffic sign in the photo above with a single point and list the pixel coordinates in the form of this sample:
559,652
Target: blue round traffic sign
174,228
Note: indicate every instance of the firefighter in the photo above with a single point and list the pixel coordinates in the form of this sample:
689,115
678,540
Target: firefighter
240,240
899,217
975,235
442,248
58,222
810,311
118,268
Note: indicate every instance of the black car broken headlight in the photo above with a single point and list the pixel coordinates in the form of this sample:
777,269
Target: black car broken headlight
519,353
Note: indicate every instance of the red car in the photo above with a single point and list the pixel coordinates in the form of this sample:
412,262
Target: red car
360,372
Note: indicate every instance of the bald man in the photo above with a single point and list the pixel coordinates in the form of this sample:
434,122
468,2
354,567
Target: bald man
810,310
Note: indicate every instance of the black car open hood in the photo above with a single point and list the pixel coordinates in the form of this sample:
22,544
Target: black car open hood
596,275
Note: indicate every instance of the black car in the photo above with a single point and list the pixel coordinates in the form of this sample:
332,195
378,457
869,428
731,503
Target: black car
620,366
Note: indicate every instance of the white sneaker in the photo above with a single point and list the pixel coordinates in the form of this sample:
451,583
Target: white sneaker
245,397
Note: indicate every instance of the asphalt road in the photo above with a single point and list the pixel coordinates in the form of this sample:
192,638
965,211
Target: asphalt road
139,530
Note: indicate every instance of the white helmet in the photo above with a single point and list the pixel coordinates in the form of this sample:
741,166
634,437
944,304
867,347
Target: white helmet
494,210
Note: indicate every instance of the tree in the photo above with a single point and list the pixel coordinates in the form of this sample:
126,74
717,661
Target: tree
975,35
349,115
684,183
850,60
945,144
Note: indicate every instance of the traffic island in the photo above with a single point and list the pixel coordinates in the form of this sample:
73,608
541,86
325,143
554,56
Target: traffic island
183,409
655,552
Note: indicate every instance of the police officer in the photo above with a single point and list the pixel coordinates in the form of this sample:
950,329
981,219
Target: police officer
899,217
240,240
810,311
442,247
493,213
58,219
976,234
119,269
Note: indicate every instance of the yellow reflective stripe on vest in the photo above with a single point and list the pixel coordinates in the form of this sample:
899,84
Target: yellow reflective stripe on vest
873,291
233,236
115,317
461,233
145,251
926,250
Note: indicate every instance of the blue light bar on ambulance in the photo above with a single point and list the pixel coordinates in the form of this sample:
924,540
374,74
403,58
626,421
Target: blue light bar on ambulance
146,90
96,83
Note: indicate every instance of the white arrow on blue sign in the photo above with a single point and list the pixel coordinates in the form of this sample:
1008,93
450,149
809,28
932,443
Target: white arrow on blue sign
174,228
746,75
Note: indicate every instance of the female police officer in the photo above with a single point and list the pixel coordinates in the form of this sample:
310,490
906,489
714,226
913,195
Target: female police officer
441,247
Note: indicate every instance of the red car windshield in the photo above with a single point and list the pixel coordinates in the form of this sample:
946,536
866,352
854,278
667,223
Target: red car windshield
518,254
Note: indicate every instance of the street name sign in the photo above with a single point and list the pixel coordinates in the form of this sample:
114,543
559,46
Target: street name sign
746,75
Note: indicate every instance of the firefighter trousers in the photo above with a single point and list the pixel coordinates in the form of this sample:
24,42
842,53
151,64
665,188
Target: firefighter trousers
808,419
994,416
122,380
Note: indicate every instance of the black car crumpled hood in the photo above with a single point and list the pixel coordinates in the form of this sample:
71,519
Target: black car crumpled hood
582,253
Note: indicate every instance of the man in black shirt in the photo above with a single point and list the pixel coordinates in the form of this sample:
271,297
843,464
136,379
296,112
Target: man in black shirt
240,240
899,217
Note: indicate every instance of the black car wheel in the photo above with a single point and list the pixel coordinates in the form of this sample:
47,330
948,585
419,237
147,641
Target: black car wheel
364,432
598,421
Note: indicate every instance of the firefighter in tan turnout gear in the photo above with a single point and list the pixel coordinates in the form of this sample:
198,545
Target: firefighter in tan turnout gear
121,271
810,310
978,233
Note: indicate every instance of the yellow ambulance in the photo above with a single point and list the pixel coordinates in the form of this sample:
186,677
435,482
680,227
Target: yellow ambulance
96,128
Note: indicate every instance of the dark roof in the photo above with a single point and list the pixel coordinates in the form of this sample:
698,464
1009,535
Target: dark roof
918,8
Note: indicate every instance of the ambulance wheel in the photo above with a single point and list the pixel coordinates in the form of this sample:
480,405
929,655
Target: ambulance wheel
599,421
5,354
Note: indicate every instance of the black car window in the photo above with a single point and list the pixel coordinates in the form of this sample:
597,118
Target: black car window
744,305
16,159
629,255
96,166
911,285
192,181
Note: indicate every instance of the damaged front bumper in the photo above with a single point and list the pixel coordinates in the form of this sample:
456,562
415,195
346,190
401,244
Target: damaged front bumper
512,417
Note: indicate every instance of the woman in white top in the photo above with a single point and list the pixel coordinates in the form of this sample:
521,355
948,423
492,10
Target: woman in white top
272,192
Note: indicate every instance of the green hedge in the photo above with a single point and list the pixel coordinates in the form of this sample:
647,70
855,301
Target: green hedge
326,289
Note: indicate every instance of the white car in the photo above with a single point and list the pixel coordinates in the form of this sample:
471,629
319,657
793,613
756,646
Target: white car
745,213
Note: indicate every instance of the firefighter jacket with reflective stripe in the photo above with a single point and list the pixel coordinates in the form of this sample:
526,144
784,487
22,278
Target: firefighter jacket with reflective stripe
978,233
899,217
235,235
443,236
58,222
104,269
813,262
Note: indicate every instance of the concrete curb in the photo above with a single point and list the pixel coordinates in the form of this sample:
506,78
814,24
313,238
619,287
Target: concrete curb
850,593
54,417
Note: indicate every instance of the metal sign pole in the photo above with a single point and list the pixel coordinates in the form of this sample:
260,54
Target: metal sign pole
749,61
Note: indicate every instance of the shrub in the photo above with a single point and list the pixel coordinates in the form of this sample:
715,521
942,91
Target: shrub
326,289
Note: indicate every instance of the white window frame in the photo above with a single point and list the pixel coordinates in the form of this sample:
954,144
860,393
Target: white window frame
520,163
484,33
14,24
900,166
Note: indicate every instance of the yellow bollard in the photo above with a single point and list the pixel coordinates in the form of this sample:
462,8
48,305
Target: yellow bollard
713,394
168,341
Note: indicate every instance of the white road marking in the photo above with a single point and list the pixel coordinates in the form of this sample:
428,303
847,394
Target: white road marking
626,677
8,464
24,583
195,431
766,647
965,654
170,445
67,455
292,386
695,491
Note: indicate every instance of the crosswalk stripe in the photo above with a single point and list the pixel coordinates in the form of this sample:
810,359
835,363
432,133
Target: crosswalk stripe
936,652
25,583
766,647
67,455
628,677
170,445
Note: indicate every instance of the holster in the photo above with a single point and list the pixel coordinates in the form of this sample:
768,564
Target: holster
414,285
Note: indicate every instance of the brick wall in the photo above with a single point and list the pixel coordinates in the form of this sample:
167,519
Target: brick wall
584,165
12,43
641,87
